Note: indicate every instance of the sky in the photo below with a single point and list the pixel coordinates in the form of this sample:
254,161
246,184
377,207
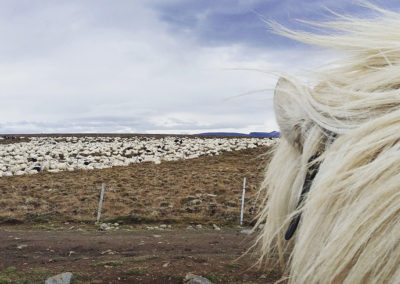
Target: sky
150,66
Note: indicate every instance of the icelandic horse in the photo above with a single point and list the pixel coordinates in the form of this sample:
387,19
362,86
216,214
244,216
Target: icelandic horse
332,189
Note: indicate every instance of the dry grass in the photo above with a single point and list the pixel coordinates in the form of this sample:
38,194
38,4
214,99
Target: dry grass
207,189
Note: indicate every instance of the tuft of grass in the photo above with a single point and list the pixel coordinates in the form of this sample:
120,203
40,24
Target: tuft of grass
10,269
6,220
142,258
82,276
129,219
113,263
232,265
4,279
11,275
45,227
138,271
212,277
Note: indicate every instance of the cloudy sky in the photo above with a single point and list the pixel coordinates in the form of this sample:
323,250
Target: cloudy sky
149,66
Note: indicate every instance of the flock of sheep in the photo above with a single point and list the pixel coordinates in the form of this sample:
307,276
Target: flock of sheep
54,154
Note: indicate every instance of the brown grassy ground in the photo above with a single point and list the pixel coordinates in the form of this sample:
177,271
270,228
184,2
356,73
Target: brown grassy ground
206,189
46,222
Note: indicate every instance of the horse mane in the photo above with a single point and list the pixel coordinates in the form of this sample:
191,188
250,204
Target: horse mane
349,231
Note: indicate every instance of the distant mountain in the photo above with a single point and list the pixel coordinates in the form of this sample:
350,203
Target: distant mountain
223,134
273,134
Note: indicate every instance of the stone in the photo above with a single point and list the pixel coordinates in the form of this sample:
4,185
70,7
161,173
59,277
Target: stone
215,227
166,264
109,251
195,202
63,278
104,227
246,231
199,226
195,279
163,226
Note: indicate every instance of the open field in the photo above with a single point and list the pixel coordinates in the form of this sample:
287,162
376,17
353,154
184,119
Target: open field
54,214
202,189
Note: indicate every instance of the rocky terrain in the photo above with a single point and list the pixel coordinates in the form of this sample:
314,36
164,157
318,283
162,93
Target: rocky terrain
55,154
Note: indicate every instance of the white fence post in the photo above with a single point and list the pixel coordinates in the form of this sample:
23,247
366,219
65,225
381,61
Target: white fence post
242,208
103,186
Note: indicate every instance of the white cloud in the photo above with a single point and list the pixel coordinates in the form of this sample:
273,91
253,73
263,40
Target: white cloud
73,66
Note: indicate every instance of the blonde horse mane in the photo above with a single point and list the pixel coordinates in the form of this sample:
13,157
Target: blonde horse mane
349,231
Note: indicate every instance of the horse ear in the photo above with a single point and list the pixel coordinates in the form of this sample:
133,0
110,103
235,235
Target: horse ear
293,121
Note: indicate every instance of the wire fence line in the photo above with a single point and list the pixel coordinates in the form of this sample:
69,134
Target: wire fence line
244,210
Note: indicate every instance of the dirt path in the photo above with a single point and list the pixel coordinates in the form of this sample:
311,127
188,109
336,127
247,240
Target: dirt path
138,256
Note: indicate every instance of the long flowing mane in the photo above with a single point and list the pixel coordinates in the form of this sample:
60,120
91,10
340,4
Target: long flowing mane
349,231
